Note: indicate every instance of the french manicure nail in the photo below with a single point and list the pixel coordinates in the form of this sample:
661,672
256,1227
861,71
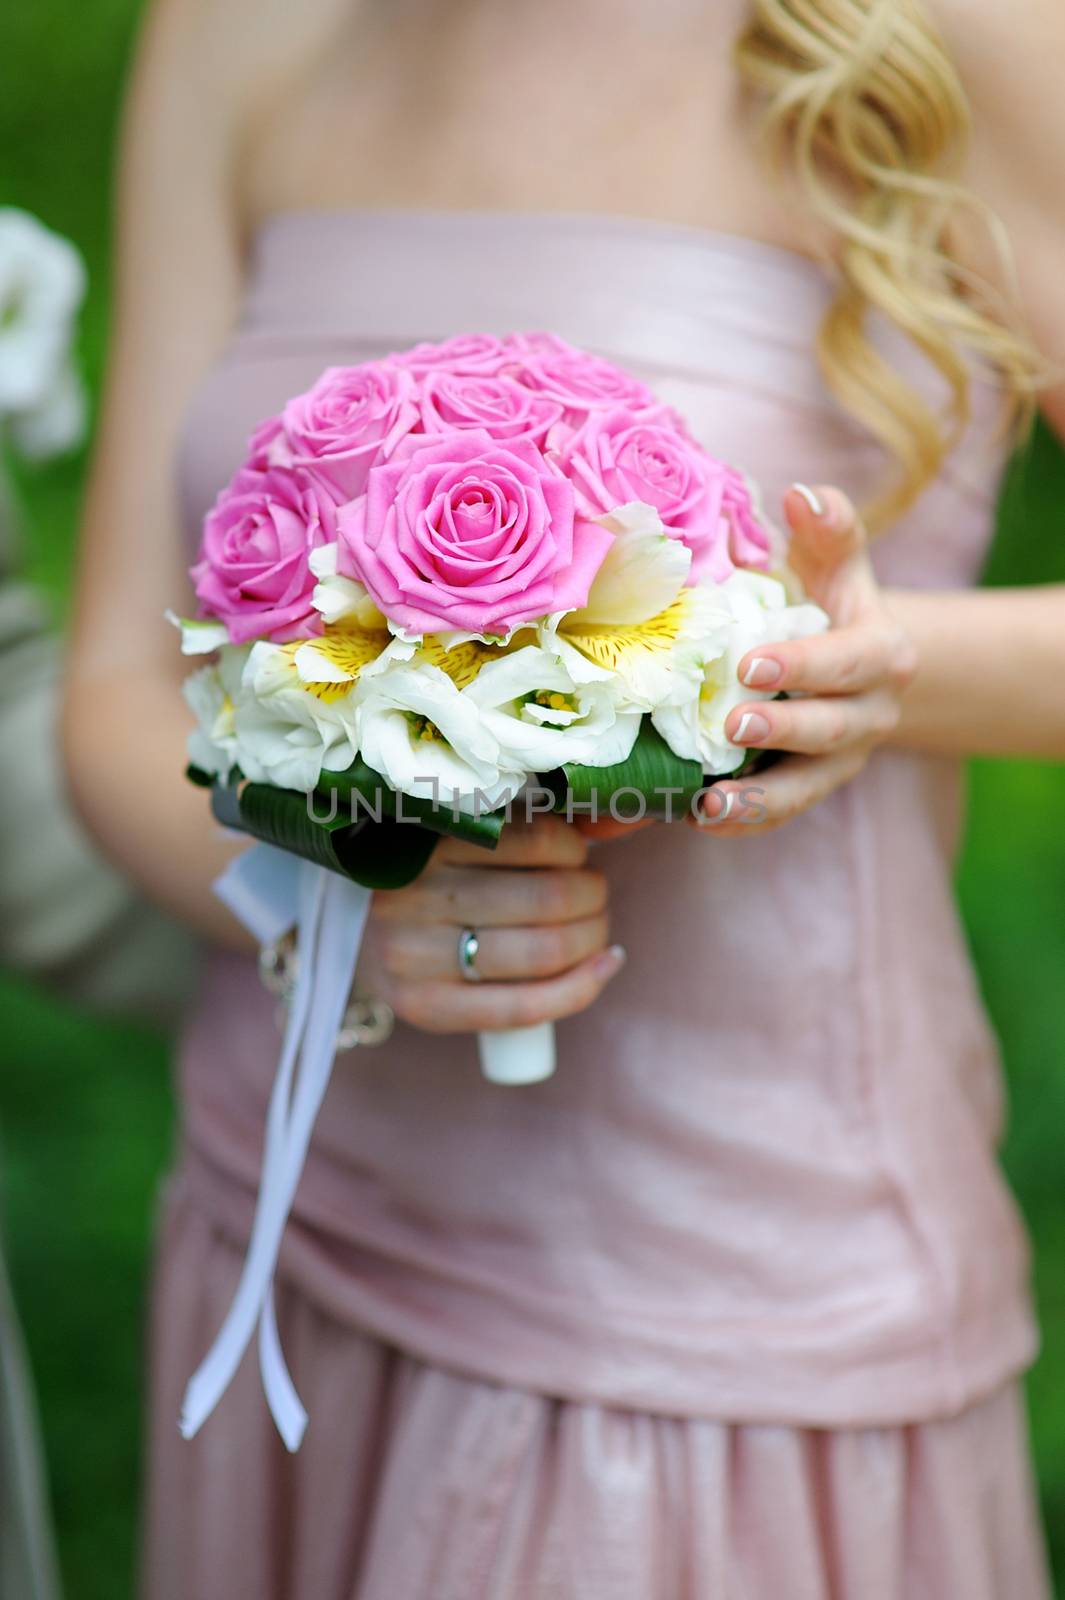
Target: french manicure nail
612,960
762,671
810,497
752,729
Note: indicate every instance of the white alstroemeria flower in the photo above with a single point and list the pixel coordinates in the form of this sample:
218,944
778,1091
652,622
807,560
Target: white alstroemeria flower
760,614
642,632
542,718
200,636
343,654
462,659
658,661
347,654
287,729
643,571
428,739
341,600
42,283
212,694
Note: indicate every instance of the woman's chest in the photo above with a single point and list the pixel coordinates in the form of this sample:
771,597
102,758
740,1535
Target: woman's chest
522,110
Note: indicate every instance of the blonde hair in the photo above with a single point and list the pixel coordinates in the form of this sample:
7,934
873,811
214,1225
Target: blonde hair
864,105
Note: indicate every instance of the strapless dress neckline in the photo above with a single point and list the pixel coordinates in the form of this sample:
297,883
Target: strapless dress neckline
658,295
608,223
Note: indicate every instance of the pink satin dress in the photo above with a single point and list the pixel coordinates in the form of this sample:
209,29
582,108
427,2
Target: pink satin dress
736,1303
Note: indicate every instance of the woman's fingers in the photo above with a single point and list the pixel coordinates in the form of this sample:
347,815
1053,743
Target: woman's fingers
843,661
432,952
836,695
499,897
540,916
542,841
814,727
824,523
608,827
440,1007
828,551
743,807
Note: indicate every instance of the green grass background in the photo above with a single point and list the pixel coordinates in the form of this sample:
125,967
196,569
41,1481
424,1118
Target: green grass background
85,1110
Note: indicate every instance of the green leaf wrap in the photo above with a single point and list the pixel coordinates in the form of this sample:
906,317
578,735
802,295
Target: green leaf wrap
650,782
367,790
392,836
380,855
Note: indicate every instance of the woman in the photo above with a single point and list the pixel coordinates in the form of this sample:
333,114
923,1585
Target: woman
735,1304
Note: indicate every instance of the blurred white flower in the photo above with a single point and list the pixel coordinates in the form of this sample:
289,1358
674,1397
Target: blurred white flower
58,423
42,284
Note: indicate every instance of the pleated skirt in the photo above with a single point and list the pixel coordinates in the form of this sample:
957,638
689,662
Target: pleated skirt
415,1483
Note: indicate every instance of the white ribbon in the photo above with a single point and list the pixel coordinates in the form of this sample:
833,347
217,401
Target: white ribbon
270,890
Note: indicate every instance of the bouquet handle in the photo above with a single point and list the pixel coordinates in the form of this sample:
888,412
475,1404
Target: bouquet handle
517,1056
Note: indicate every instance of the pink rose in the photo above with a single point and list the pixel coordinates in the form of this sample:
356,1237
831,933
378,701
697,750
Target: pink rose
467,353
352,417
617,457
461,532
536,343
253,573
505,409
580,382
750,543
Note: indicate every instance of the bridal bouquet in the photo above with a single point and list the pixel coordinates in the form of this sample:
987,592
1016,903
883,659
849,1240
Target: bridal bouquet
467,576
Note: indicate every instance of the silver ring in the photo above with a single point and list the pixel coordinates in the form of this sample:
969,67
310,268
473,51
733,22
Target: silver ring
469,944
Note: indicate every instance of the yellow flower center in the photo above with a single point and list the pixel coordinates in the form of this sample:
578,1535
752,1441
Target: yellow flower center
462,662
351,649
422,728
608,647
345,648
328,693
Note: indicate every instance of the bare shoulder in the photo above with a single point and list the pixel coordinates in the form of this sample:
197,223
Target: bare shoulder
231,53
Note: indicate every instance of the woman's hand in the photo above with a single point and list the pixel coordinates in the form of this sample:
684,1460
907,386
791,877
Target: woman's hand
540,916
852,679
